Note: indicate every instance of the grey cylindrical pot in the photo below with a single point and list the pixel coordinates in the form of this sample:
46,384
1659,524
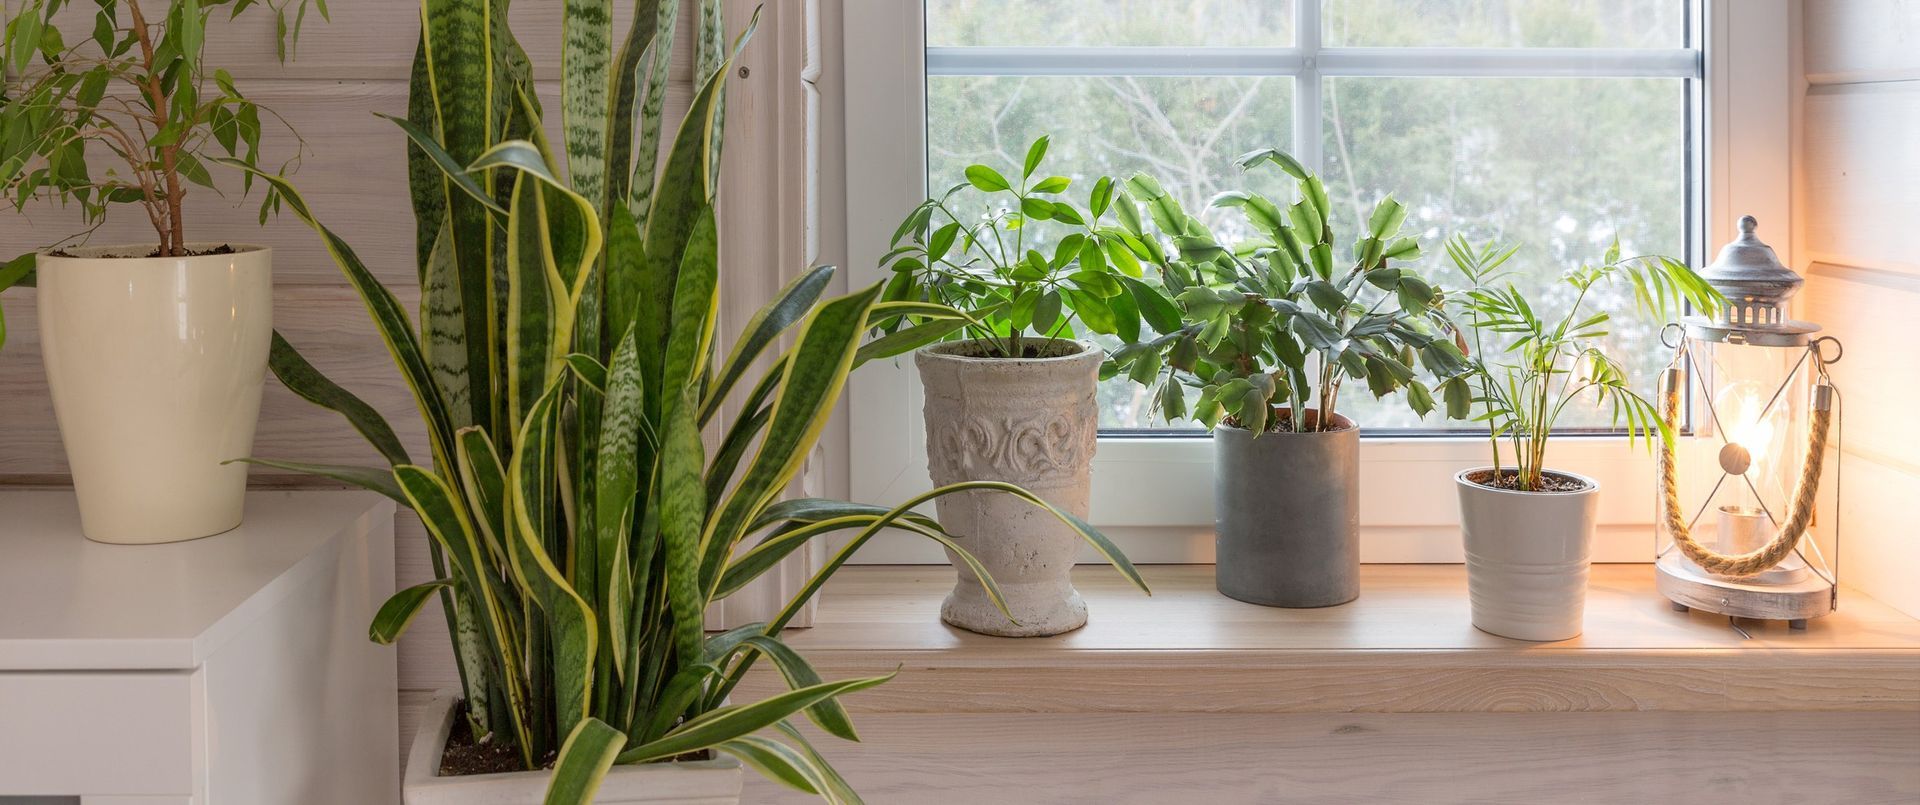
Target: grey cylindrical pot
1026,421
1287,516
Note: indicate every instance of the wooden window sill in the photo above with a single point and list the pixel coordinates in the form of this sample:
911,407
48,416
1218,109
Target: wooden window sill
1405,646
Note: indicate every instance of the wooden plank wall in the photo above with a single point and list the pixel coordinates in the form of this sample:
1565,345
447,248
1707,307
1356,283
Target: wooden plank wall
1857,196
355,179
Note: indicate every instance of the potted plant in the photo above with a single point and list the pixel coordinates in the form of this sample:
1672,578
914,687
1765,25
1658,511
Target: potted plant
156,352
1529,528
1010,391
1269,331
581,524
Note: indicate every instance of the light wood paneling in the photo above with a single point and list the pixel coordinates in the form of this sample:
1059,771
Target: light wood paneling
1860,163
1737,759
1857,191
1862,40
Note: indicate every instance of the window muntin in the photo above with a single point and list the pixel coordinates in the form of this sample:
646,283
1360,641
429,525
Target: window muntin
1561,124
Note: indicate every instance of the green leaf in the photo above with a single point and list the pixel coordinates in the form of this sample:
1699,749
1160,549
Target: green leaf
986,179
584,759
683,509
728,723
531,484
1052,184
1035,152
394,615
373,479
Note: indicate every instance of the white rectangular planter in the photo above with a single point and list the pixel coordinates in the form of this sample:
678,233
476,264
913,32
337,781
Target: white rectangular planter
700,782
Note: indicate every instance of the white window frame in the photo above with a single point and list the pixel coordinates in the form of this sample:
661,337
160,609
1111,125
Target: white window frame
1154,495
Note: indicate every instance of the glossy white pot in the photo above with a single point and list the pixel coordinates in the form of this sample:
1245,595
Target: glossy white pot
700,782
1528,556
155,365
1025,421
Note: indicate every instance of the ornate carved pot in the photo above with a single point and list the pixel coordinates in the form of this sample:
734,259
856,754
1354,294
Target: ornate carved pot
1026,421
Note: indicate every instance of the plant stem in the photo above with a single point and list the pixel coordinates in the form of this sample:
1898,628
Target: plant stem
172,239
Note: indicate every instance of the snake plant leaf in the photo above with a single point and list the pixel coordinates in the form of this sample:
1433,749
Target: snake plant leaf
447,523
484,480
775,761
652,108
586,52
626,77
301,378
829,715
388,316
696,306
443,329
683,511
426,189
675,698
535,303
733,721
813,510
816,373
617,483
369,478
394,615
767,324
832,786
583,762
448,172
625,264
752,419
784,541
531,486
679,200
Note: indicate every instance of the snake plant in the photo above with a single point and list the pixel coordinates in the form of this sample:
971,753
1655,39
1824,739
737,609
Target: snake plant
565,365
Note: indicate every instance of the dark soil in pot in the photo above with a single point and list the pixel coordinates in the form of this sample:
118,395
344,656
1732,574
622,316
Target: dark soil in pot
463,756
1550,482
223,248
1031,349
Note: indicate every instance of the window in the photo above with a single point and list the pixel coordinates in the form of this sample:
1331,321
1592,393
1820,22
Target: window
1560,123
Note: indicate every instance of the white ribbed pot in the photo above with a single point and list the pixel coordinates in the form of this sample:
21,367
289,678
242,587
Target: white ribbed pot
1026,421
155,365
698,782
1528,554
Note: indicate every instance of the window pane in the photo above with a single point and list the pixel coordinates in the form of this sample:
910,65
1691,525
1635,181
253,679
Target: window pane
1185,131
1506,23
999,23
1585,161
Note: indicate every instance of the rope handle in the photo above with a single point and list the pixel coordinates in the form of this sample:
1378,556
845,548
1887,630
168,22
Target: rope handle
1798,515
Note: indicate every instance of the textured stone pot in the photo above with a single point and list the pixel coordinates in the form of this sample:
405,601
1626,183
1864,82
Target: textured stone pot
1286,529
1528,554
155,365
698,782
1026,421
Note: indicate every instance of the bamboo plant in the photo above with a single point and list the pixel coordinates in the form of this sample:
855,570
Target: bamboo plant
1548,361
565,366
133,85
1271,326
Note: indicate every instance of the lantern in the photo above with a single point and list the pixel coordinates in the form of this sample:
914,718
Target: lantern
1736,521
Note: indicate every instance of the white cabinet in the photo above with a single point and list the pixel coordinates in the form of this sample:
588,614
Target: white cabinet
230,670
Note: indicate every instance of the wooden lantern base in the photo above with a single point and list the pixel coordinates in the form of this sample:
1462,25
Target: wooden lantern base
1689,587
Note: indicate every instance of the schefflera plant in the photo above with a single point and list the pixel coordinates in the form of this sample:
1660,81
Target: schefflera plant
565,367
1277,321
1020,257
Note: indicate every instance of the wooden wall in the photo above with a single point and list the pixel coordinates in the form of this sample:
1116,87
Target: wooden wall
355,179
1857,198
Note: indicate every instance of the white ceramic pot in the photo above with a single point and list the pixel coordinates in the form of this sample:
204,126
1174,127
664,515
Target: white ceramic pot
700,782
155,365
1026,421
1528,554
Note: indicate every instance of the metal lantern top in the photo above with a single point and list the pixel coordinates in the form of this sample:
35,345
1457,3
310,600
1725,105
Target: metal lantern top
1757,287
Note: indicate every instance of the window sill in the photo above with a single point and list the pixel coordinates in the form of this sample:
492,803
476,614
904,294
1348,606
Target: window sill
1404,647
